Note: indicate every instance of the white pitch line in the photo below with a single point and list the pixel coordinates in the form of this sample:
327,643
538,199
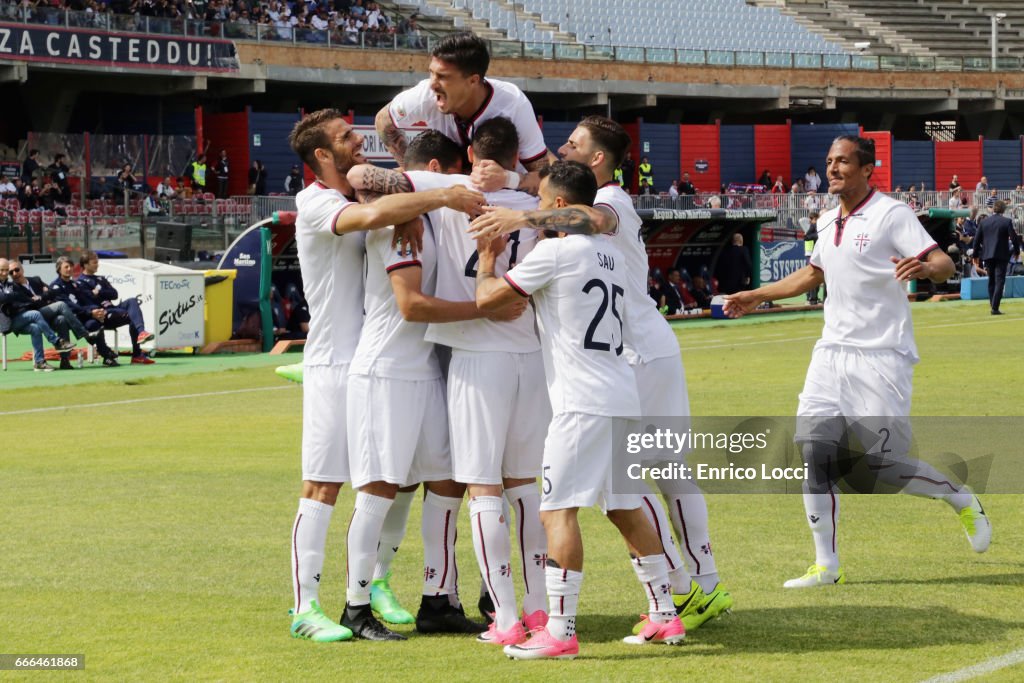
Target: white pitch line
104,404
981,668
818,336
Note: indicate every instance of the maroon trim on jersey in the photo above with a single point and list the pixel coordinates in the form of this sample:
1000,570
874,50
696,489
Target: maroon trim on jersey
319,183
930,481
841,220
834,512
618,218
920,257
404,264
410,181
513,285
816,267
334,219
463,126
533,158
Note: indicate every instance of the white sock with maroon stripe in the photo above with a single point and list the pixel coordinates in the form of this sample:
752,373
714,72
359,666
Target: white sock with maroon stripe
440,515
689,513
363,539
533,543
823,517
652,571
563,599
678,576
494,555
393,532
309,536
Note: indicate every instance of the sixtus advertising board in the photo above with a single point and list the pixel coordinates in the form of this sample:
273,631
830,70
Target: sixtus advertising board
779,259
99,48
171,299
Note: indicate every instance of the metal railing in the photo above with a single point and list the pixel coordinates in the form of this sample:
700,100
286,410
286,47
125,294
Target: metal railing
266,32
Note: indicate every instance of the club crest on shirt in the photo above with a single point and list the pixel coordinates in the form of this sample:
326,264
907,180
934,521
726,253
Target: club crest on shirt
861,241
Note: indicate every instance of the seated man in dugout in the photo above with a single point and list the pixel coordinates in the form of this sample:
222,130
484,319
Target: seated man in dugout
66,289
96,290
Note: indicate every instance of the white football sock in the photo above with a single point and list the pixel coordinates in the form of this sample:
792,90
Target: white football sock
563,586
393,532
822,511
678,575
440,515
918,478
494,556
689,513
652,571
309,535
363,538
533,544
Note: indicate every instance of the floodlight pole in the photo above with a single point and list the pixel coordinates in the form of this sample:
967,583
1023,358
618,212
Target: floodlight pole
995,38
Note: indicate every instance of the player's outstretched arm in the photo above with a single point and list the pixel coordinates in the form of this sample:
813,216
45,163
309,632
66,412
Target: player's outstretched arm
937,267
401,208
489,175
800,282
393,137
370,178
492,293
577,219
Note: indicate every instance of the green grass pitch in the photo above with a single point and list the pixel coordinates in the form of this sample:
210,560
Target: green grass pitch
153,536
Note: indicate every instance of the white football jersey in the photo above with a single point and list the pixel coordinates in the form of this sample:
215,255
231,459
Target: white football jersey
648,334
391,346
867,306
332,276
578,286
456,271
419,105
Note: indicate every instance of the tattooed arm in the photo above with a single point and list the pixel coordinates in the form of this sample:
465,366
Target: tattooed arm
572,220
369,178
391,135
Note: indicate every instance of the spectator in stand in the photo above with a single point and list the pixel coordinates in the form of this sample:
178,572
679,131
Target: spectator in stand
65,289
8,190
914,201
298,314
126,179
812,180
812,203
657,292
765,179
645,176
222,169
49,194
686,187
994,245
257,179
294,183
166,189
954,199
734,267
30,166
628,172
60,176
96,290
677,288
954,183
990,201
673,190
779,187
197,172
982,185
798,187
151,205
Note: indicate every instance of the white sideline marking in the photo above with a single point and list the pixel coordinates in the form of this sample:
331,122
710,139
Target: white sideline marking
980,669
818,336
104,404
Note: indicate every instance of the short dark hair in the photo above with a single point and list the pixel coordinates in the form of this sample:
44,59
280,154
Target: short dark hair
574,181
498,140
999,206
432,144
310,134
609,136
467,51
865,148
87,256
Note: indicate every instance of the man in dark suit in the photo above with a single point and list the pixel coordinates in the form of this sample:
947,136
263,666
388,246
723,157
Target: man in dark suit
995,242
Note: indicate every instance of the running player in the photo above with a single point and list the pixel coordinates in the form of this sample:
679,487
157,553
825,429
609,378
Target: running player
863,365
578,286
651,349
329,235
496,437
458,97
